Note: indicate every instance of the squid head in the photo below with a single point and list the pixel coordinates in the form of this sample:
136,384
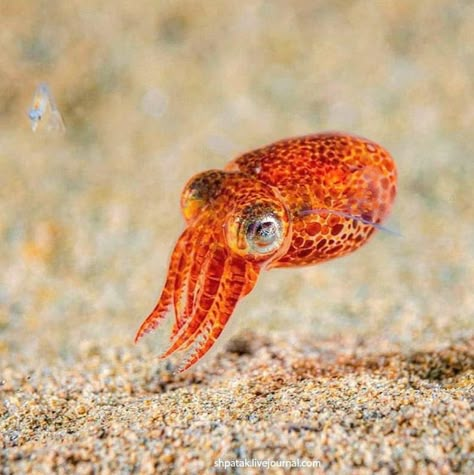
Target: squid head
235,226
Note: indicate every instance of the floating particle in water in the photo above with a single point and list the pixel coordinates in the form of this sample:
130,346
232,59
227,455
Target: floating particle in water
154,103
44,112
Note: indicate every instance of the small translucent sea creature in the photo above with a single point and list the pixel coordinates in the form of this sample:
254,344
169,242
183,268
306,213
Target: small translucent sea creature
44,110
297,202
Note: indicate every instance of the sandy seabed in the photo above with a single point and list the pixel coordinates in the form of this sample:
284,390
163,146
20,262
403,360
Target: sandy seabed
352,405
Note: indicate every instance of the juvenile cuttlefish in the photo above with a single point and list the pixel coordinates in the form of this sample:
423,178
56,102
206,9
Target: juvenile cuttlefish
296,202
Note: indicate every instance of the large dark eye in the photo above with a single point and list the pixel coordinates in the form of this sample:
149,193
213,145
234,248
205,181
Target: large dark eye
264,234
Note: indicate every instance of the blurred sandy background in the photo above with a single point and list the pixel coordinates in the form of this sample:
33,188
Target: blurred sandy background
152,92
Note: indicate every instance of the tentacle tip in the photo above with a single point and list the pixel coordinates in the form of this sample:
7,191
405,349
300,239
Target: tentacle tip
184,367
137,338
193,359
142,331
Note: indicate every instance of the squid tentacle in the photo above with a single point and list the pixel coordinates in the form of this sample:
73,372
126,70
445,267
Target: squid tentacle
231,289
211,275
201,316
196,278
181,270
185,293
188,260
166,298
230,292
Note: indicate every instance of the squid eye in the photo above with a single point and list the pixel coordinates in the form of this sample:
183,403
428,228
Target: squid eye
264,234
200,191
258,231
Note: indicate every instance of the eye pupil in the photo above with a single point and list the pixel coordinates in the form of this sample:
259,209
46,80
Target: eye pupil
265,231
264,234
258,231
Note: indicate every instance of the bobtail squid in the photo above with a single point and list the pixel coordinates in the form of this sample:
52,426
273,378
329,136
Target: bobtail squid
293,203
